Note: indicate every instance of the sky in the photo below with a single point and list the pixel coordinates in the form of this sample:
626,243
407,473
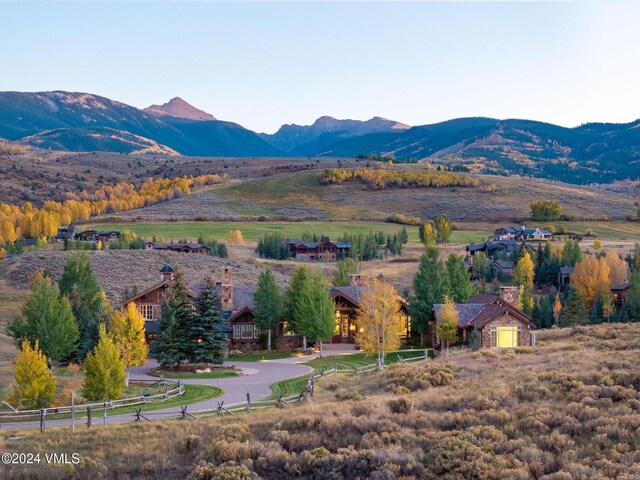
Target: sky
264,64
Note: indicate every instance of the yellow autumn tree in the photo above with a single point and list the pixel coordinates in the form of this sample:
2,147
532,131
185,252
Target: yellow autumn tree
379,320
591,278
35,387
235,237
523,272
557,308
447,324
127,333
618,268
7,232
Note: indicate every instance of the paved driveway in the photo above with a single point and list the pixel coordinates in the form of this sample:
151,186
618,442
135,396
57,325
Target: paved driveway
261,376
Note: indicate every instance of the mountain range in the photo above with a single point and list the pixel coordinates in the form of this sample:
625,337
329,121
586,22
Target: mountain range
593,152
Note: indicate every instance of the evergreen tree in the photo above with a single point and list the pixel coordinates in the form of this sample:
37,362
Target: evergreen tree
571,253
47,318
35,387
460,286
430,285
291,299
525,300
171,346
81,288
403,236
632,309
267,304
205,331
104,372
574,311
344,269
315,310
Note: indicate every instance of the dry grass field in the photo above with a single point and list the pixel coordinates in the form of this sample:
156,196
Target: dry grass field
301,196
568,409
39,175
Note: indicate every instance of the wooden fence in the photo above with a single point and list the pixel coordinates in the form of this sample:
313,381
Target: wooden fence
248,406
88,410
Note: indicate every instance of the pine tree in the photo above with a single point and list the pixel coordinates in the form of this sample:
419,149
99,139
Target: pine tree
171,346
525,300
127,332
315,309
633,297
35,387
104,372
430,285
574,311
291,299
210,341
480,268
81,287
344,269
460,286
47,318
267,304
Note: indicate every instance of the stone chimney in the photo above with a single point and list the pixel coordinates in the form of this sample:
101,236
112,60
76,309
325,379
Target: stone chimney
166,273
226,289
509,294
356,280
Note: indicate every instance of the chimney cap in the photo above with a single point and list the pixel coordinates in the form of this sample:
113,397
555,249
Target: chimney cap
166,269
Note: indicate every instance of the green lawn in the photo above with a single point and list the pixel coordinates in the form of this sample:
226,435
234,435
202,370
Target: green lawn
253,231
612,230
258,357
192,394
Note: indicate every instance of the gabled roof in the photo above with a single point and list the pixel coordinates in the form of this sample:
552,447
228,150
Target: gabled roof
566,270
353,294
164,283
621,287
481,309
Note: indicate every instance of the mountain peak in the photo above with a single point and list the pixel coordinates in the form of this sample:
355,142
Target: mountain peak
177,107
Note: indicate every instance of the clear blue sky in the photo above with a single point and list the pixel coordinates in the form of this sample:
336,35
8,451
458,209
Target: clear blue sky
264,64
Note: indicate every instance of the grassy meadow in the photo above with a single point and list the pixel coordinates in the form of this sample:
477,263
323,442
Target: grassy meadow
252,231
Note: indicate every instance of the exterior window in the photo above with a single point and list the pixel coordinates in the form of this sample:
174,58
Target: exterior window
146,311
256,332
237,332
247,331
345,327
506,336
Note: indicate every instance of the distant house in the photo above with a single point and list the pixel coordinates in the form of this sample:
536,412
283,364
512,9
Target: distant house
179,247
621,293
521,234
347,301
564,276
493,249
324,250
534,234
95,236
238,309
497,319
66,233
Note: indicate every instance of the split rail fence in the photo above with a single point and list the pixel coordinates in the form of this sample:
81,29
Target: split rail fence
248,406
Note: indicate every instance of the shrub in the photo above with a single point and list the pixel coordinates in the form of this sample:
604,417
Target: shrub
228,471
509,354
349,395
400,405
